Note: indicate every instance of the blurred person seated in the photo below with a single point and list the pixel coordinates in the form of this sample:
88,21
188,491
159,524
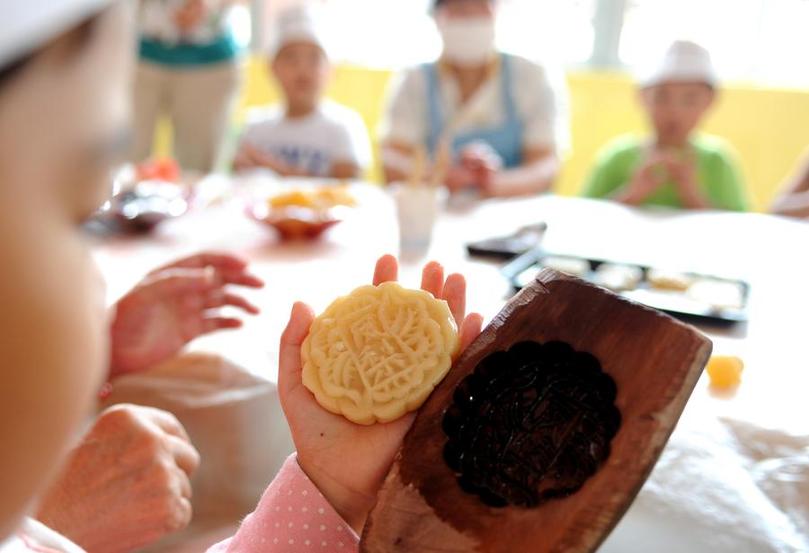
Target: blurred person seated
491,122
676,166
308,136
189,71
794,198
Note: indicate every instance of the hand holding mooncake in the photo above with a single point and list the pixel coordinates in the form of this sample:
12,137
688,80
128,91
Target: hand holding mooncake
373,356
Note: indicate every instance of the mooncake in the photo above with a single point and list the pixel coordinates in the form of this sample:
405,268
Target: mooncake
377,353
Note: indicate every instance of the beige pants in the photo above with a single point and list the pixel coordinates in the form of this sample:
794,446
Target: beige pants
197,101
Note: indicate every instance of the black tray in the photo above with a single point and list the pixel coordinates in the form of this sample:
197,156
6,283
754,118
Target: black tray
522,270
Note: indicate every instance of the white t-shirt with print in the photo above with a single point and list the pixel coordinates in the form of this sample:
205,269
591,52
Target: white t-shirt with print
540,98
332,133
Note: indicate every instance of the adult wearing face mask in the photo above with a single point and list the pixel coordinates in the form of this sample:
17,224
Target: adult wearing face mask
492,120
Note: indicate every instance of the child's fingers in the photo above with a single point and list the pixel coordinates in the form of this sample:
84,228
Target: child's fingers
229,268
213,324
470,329
454,292
289,359
222,299
180,282
254,154
218,260
386,270
432,278
240,278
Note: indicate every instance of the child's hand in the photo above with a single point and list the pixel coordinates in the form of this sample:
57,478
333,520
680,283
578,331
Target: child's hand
346,461
174,305
650,176
683,172
250,157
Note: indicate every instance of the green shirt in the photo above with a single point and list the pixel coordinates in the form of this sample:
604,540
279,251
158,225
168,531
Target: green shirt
717,172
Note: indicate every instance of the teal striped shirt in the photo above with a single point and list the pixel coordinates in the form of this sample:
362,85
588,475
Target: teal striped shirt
182,54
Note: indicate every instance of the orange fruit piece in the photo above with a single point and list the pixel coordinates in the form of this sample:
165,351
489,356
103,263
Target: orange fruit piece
725,371
165,169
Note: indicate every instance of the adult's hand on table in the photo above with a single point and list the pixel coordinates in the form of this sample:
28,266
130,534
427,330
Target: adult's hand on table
346,461
484,163
173,305
459,177
477,167
126,484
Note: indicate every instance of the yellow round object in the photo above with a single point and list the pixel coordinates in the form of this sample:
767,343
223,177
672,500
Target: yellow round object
379,352
725,371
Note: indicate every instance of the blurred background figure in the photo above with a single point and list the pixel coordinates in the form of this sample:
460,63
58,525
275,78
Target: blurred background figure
492,119
189,72
675,166
794,199
307,135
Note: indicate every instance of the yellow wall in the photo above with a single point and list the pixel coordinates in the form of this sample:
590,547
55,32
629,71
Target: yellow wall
768,127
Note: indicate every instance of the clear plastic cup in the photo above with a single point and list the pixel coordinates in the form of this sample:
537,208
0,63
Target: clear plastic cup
416,209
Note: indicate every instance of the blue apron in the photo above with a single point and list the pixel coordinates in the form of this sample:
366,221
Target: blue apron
506,139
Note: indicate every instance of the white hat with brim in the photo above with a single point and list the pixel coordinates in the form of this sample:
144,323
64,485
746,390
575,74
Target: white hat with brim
684,61
28,24
298,24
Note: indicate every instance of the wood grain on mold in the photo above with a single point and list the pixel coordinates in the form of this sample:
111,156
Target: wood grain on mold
655,362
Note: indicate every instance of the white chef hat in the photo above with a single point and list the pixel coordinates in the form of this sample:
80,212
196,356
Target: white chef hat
28,24
684,61
297,24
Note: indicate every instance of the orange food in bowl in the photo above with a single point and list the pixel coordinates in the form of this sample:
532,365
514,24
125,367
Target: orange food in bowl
324,197
296,198
305,212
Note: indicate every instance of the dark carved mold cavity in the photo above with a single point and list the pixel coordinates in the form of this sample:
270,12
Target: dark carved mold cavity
530,424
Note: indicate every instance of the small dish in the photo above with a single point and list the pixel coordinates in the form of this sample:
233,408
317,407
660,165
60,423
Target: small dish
147,204
295,222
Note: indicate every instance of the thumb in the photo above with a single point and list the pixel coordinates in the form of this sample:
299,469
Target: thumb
289,359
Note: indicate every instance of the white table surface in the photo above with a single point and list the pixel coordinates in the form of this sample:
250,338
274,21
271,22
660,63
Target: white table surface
771,253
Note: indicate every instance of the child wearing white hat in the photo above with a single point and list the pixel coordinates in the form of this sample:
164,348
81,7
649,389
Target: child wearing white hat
675,167
307,136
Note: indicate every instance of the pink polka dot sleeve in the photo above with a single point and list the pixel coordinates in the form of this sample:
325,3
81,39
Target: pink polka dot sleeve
292,516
